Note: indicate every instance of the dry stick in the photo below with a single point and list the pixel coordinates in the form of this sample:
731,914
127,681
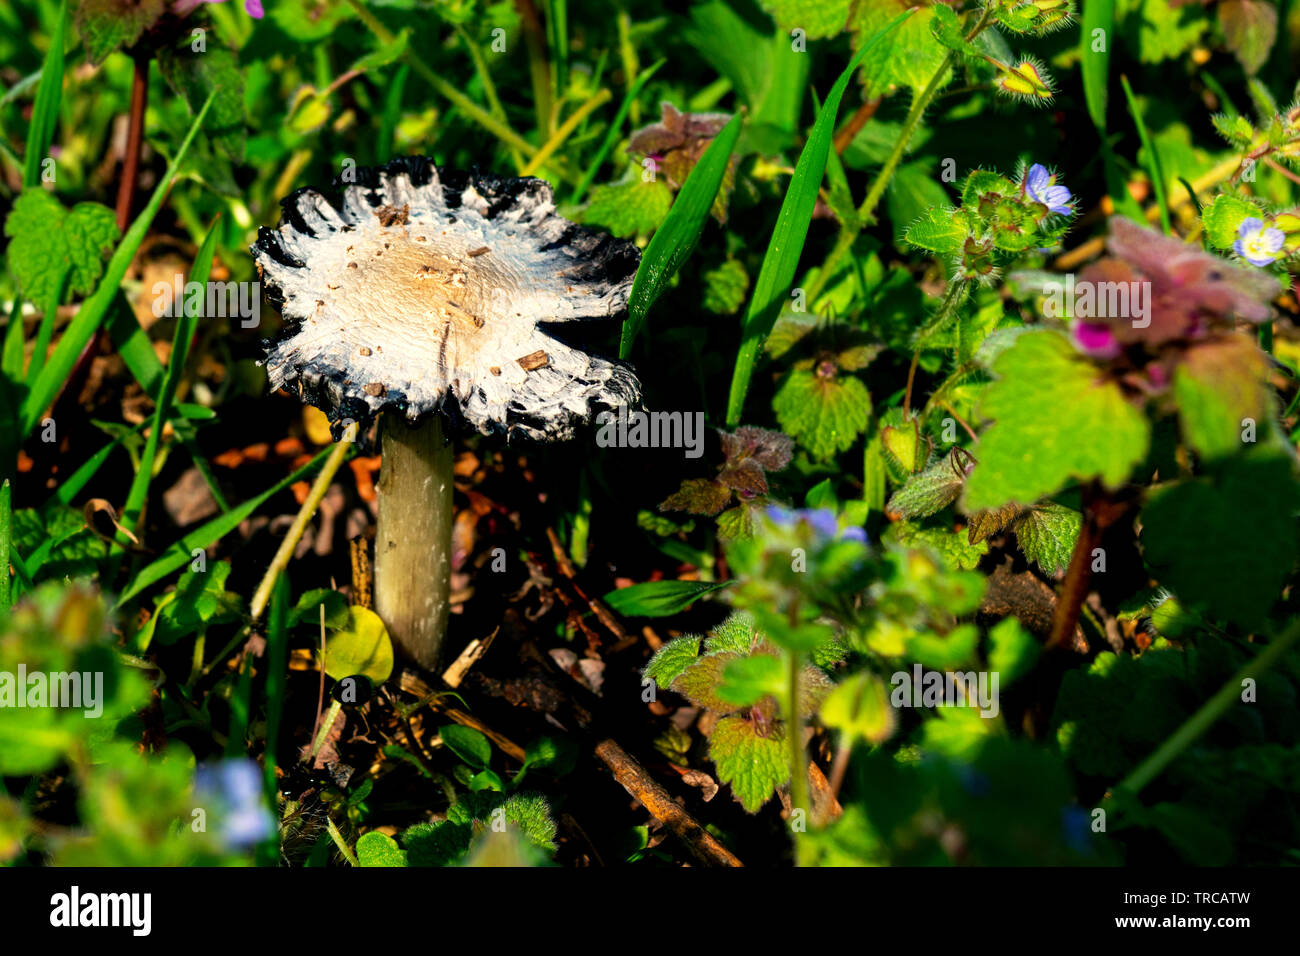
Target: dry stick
308,510
598,607
854,126
636,781
1100,511
412,683
134,141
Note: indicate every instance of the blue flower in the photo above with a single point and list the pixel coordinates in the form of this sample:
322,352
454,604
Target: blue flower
232,789
1040,186
1076,829
1256,244
822,521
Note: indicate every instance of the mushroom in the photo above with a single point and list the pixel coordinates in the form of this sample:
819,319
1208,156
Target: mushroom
421,294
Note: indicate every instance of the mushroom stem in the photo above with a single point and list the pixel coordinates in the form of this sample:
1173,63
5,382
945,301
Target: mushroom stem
413,536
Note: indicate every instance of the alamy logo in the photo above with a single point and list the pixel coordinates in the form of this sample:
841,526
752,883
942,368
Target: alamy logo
222,300
1099,300
632,429
946,689
71,689
72,909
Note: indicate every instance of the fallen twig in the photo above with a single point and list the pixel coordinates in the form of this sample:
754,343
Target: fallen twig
637,781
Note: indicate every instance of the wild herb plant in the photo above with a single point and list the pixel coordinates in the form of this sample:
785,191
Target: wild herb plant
990,555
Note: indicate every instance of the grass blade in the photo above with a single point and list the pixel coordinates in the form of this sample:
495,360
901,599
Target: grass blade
81,477
676,238
45,111
181,553
277,672
1097,15
611,135
185,325
783,251
132,343
1156,170
6,533
92,311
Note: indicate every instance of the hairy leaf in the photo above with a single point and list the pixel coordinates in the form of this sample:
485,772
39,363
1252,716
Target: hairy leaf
671,659
1055,419
928,492
1047,534
49,241
751,765
825,415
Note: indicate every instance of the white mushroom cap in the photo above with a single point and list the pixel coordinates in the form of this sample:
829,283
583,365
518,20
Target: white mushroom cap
421,290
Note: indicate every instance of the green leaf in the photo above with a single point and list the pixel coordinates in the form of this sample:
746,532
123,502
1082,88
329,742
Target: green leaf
379,849
1094,62
725,287
859,708
751,765
929,492
659,598
1223,216
630,207
1055,419
939,231
386,53
45,111
49,242
1047,534
468,744
196,75
199,601
674,241
1225,544
1165,31
736,633
947,29
701,680
817,18
749,679
1220,387
954,549
305,611
1018,18
825,415
784,248
672,659
106,25
360,648
910,58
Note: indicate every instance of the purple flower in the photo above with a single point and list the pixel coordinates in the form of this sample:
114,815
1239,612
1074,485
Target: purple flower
1257,244
1096,339
1040,186
232,791
184,7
